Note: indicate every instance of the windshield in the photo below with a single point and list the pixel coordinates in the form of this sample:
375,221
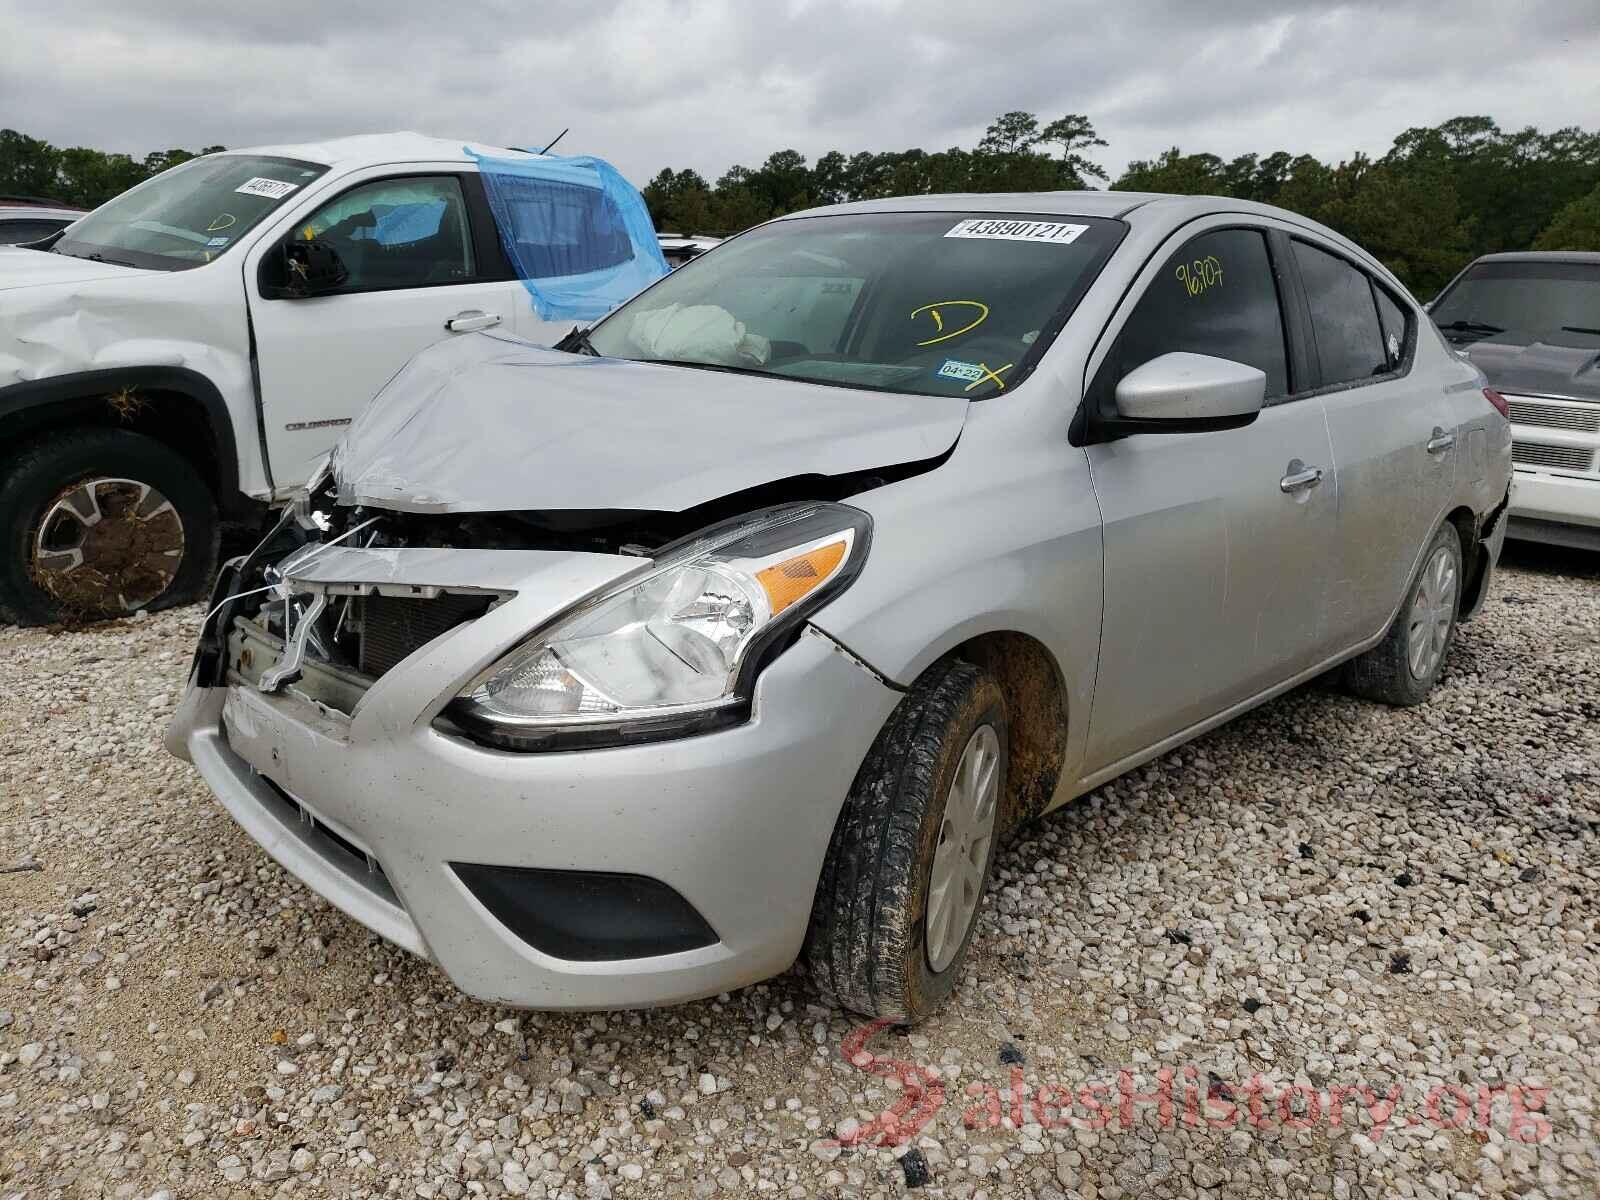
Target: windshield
1542,299
187,216
935,304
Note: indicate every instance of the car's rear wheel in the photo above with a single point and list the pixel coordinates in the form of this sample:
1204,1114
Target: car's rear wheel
102,523
910,857
1403,668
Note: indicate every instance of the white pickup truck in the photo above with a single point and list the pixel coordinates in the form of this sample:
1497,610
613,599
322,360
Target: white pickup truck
187,351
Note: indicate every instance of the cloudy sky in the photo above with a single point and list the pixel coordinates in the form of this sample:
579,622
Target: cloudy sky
707,83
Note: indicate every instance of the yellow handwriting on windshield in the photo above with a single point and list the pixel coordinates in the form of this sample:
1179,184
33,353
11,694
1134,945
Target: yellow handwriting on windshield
934,310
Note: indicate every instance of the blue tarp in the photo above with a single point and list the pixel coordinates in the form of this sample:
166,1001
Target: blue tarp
578,233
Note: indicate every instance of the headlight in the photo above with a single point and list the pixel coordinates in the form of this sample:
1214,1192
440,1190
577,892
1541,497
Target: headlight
678,650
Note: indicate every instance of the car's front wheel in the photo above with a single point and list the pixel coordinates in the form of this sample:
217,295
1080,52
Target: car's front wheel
910,856
1403,668
101,523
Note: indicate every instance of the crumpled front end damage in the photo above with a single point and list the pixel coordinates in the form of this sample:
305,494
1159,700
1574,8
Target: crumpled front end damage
322,710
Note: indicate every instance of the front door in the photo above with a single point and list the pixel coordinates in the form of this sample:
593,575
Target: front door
1216,544
414,278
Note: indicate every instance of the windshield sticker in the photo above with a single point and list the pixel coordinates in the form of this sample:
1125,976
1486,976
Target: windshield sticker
1200,275
272,189
934,311
954,368
1056,232
219,241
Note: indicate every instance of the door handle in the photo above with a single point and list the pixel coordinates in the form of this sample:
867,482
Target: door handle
1300,478
1440,441
472,319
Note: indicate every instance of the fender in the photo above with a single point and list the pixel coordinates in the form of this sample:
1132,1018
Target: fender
41,403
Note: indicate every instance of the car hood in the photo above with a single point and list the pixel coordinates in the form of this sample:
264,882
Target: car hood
1571,368
21,268
485,423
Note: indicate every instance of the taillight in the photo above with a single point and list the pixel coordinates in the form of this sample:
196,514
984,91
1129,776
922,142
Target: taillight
1499,402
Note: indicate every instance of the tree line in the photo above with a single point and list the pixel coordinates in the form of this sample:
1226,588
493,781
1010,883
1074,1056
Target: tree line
1440,196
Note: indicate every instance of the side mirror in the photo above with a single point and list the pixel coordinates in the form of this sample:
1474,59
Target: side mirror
303,269
1187,393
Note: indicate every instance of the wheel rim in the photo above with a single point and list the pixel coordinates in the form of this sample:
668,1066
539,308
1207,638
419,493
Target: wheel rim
108,546
965,833
1432,613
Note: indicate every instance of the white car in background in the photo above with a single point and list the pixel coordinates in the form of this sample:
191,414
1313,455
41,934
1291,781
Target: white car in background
29,218
191,348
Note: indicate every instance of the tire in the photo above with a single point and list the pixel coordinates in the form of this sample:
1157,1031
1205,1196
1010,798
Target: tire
868,948
1387,673
157,549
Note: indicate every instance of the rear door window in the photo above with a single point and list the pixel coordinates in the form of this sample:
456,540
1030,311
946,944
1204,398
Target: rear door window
1215,296
1396,331
1344,317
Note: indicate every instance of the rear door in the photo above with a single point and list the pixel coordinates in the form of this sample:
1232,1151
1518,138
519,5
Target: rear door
421,269
1393,431
1216,545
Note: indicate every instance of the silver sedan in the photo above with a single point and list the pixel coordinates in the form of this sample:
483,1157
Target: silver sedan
741,627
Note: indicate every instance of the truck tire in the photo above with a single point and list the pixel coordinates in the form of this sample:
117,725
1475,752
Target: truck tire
906,870
1403,668
101,523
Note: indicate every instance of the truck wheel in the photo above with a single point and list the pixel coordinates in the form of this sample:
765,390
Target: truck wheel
910,856
1403,668
102,523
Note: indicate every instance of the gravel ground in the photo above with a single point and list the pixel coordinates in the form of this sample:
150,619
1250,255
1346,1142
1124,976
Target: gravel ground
1326,894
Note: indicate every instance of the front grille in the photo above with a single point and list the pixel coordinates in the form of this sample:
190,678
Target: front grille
1555,416
1567,458
393,627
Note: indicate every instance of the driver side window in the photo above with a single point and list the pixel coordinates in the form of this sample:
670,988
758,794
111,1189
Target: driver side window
1215,296
396,233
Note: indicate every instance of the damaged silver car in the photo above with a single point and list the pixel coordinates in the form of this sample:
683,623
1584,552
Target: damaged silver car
741,628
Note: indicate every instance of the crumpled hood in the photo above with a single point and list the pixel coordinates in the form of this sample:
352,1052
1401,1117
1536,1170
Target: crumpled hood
1539,367
485,423
29,268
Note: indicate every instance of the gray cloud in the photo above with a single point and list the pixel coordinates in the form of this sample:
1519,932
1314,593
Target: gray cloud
706,83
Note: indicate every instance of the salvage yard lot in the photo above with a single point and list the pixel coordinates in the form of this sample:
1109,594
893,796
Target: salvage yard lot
1325,893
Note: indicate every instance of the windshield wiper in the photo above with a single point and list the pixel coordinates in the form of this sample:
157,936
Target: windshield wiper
1579,329
1465,326
577,342
99,258
703,366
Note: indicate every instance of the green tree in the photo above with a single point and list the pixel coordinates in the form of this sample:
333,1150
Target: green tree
1074,134
1576,227
28,166
1011,133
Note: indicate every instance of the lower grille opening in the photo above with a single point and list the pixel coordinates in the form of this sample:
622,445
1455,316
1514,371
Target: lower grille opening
1533,454
337,846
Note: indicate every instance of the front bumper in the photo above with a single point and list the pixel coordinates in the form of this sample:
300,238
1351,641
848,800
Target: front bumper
1555,508
371,810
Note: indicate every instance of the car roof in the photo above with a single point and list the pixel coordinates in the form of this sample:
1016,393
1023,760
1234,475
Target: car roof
362,148
38,212
1577,256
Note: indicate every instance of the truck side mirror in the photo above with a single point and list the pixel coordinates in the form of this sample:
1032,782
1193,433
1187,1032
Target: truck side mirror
299,269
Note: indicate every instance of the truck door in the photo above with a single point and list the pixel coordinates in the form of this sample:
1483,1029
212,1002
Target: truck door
418,269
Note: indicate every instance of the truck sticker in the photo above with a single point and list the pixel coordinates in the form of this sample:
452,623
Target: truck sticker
272,189
1059,233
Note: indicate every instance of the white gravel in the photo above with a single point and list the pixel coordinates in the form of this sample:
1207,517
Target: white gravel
1325,893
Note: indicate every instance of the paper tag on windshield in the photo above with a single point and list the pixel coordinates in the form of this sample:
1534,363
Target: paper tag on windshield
272,189
1058,232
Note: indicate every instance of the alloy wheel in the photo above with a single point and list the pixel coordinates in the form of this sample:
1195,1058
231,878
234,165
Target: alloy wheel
1432,613
108,546
965,834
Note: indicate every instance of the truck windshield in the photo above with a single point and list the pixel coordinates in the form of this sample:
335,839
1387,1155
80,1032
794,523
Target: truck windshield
187,216
935,304
1530,297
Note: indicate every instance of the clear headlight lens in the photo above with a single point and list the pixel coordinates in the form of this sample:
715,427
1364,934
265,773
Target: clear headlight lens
676,650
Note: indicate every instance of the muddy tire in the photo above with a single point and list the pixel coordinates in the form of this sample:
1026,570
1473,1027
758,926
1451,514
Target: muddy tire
101,523
1403,668
914,813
